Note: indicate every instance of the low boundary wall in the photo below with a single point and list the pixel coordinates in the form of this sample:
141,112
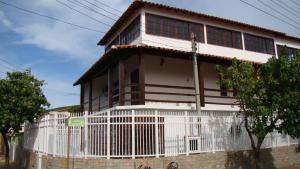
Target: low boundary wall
272,158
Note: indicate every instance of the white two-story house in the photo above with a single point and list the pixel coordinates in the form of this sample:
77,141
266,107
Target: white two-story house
147,66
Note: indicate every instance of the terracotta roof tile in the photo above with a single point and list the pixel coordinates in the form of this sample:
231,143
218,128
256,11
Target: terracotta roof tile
115,51
138,4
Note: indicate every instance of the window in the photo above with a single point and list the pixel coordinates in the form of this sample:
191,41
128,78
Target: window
224,37
198,30
292,52
114,42
131,32
182,29
173,28
259,44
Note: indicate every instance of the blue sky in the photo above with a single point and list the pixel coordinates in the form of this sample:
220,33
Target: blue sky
60,53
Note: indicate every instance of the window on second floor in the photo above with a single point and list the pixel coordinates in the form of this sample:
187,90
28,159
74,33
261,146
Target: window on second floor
292,52
259,44
224,37
173,28
131,32
114,42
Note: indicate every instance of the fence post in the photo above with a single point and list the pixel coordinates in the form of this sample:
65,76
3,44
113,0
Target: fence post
213,132
47,134
108,135
156,135
55,141
86,134
186,133
133,134
234,131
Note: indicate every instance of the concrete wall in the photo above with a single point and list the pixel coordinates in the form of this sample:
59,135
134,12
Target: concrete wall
272,158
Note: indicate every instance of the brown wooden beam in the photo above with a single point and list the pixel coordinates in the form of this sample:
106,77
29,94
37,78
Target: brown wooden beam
142,80
82,97
90,95
121,83
169,86
110,86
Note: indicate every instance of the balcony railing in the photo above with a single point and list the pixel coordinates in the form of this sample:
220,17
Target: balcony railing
143,132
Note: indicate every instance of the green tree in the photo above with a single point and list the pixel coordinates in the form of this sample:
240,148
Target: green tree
268,96
21,100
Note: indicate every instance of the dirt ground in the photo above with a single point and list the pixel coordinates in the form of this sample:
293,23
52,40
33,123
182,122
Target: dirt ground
292,167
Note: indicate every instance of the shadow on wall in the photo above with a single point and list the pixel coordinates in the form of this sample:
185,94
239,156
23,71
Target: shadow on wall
245,160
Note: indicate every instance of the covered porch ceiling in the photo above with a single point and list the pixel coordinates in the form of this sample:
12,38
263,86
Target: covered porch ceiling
123,51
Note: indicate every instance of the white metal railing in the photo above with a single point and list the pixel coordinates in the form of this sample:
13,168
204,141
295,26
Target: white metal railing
140,132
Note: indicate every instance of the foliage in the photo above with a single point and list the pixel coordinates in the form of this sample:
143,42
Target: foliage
21,100
268,96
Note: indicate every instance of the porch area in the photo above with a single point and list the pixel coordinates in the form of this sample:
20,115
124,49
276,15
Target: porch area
153,77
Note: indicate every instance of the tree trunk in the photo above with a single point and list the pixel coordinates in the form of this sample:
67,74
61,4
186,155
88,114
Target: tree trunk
257,159
5,140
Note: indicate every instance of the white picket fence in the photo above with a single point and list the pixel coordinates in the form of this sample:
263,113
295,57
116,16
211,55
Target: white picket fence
131,133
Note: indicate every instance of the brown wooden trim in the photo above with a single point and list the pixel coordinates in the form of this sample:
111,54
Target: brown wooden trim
142,80
90,95
82,97
201,85
169,101
168,86
220,97
132,85
169,93
216,90
121,82
110,86
218,103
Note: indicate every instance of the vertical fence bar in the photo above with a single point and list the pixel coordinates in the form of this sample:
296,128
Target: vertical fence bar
156,134
213,132
234,131
54,137
186,133
47,134
108,135
133,133
86,134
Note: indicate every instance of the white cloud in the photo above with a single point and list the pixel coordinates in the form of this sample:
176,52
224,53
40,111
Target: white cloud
4,20
69,41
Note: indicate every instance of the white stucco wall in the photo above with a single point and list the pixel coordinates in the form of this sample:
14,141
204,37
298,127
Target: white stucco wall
205,48
179,72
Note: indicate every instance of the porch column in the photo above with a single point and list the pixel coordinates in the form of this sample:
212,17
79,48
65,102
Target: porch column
142,80
82,97
109,86
90,95
121,83
201,85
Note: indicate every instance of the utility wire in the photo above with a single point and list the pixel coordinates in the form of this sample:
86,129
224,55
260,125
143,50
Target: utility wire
50,17
276,17
262,2
282,2
10,64
108,6
68,6
101,8
285,8
295,2
91,9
